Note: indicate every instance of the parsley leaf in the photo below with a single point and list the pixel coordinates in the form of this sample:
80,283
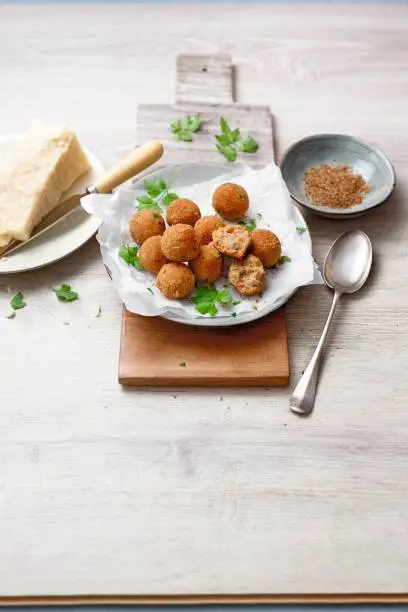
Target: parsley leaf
225,295
184,128
150,290
157,195
207,296
154,188
228,152
65,294
249,145
184,136
250,224
169,198
230,143
182,364
283,259
301,229
130,254
17,301
146,202
225,128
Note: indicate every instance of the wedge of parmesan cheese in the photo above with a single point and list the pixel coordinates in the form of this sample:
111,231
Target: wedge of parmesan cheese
45,164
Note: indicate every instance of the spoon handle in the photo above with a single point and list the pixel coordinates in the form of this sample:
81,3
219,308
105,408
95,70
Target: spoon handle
303,397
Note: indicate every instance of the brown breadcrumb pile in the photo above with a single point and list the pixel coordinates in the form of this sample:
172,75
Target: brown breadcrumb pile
335,186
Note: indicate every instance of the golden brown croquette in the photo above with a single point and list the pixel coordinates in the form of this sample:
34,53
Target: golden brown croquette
151,256
146,223
230,201
247,276
182,211
176,281
179,243
266,246
232,241
207,267
206,226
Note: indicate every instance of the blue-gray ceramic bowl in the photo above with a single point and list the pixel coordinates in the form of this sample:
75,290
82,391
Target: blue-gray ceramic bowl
338,149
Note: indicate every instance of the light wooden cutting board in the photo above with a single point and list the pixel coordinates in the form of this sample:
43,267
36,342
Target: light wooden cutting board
152,349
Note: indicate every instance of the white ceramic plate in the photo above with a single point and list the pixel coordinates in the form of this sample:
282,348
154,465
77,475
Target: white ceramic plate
61,240
189,174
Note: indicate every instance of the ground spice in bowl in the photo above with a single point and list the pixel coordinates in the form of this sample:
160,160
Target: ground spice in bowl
335,186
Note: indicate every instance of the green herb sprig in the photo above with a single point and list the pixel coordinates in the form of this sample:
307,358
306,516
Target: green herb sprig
282,260
207,297
157,194
184,128
65,294
249,224
130,255
230,142
17,302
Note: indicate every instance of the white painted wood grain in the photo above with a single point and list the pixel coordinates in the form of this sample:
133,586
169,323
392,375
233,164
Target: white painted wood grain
110,491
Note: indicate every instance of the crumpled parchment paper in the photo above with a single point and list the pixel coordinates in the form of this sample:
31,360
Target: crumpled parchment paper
270,206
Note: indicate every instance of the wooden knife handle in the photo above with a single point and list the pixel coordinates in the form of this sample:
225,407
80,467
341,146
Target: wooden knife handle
138,160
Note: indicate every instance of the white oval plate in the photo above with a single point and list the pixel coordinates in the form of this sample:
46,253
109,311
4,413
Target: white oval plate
61,240
189,174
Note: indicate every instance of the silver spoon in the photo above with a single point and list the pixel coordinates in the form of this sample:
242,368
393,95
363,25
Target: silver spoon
346,268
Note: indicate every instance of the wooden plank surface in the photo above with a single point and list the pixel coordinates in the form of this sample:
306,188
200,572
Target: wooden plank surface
134,492
156,352
152,349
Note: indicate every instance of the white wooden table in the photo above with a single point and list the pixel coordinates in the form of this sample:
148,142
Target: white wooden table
105,490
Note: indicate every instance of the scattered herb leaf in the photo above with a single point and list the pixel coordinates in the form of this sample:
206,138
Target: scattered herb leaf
250,224
301,229
234,314
230,142
182,364
249,145
157,195
282,260
207,296
259,216
17,301
225,295
215,254
65,294
130,254
150,290
228,152
169,198
184,128
154,188
145,202
236,302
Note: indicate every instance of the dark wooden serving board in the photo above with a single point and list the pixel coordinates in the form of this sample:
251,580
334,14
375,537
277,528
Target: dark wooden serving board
153,350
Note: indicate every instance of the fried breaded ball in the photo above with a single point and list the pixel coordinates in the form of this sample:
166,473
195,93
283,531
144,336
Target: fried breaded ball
207,267
232,241
146,223
179,243
266,246
230,201
206,226
182,211
151,255
247,276
176,281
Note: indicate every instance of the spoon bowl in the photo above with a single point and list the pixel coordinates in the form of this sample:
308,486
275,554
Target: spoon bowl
346,269
348,262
